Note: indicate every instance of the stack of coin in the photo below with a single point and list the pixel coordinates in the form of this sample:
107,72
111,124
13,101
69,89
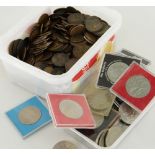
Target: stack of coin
57,41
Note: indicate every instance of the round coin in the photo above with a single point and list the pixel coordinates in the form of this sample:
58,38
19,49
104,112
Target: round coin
98,119
93,24
70,63
113,134
99,99
29,115
76,18
71,109
138,86
65,145
100,137
128,114
59,59
115,70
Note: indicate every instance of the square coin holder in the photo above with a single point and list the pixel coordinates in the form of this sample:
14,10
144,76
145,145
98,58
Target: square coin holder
112,67
136,87
70,110
29,116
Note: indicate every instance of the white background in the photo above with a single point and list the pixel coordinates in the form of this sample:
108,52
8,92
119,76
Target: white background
136,34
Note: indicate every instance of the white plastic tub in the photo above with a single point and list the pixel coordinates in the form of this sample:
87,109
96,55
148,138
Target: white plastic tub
40,82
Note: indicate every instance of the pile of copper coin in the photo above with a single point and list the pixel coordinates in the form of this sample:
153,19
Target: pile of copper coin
57,41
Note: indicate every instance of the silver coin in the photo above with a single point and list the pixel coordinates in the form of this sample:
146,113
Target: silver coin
138,86
98,120
128,114
29,115
115,70
99,99
100,137
65,145
71,109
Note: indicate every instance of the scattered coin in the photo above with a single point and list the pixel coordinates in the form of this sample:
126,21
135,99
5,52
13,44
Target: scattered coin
138,86
115,70
65,145
98,119
113,134
66,31
71,109
29,115
128,114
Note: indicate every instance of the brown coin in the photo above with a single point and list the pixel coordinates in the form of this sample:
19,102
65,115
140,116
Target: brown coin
93,24
30,60
43,19
58,70
78,51
49,69
76,18
56,46
77,38
103,30
74,30
90,38
40,65
59,59
29,115
70,63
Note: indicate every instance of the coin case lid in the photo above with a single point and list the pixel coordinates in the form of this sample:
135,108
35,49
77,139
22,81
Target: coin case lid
70,110
26,128
112,67
120,87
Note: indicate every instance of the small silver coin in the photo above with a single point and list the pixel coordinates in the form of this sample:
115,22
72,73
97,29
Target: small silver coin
65,145
100,137
138,86
98,120
71,109
29,115
113,134
128,114
115,70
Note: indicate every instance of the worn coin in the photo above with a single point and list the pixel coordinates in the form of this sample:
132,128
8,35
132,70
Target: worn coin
49,69
115,70
29,115
43,19
93,24
70,63
58,70
77,29
77,38
59,59
90,38
65,145
76,18
128,114
71,109
138,86
113,134
99,99
98,120
101,137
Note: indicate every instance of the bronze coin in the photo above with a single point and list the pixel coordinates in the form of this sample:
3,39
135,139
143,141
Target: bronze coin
90,38
78,51
70,63
93,24
102,31
58,70
76,29
30,60
29,115
40,65
59,59
77,38
56,46
11,48
49,69
75,18
43,19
